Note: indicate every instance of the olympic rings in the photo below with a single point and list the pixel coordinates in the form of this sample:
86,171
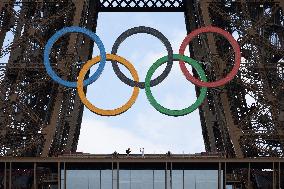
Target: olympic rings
150,31
148,82
55,37
167,111
89,105
232,41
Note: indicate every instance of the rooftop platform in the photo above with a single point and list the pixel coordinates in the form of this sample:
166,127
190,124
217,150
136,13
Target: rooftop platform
153,171
85,157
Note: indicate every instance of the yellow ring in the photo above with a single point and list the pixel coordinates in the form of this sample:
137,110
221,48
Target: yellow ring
88,104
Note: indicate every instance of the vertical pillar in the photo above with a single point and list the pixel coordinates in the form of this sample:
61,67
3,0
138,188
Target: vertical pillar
86,53
112,175
166,176
100,179
279,166
183,179
225,175
153,179
249,180
226,114
273,176
50,129
207,122
117,174
219,175
59,175
10,175
65,177
171,175
35,183
5,175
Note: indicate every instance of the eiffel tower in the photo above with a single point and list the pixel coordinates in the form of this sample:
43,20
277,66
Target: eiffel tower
245,118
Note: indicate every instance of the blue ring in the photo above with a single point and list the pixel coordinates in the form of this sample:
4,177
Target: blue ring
55,37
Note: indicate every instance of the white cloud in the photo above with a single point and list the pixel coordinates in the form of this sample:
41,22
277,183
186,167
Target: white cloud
99,137
149,131
177,134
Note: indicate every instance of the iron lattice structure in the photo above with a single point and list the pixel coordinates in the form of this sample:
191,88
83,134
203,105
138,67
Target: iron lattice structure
144,6
243,119
39,117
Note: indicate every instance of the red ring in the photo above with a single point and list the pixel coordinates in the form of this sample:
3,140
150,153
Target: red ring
232,41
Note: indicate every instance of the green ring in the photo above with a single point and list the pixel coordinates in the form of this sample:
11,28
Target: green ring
167,111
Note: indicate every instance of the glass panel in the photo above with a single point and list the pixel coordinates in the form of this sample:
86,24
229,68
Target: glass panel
106,179
177,179
22,175
262,175
88,175
124,179
159,179
141,179
136,179
196,176
82,179
236,175
47,175
142,175
200,179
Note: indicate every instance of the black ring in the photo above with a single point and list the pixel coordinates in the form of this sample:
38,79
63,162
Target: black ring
155,33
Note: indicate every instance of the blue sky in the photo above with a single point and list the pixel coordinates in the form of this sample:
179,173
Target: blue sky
142,125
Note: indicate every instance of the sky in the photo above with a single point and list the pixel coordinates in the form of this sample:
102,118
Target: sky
141,126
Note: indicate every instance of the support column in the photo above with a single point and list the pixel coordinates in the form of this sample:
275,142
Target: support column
5,175
279,175
183,179
249,180
219,175
117,174
166,176
65,177
206,116
59,175
225,175
35,175
232,129
171,175
273,176
10,175
86,54
49,130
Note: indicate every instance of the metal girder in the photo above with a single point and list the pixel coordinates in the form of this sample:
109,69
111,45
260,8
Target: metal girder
141,6
244,118
36,121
